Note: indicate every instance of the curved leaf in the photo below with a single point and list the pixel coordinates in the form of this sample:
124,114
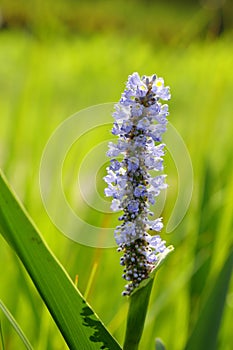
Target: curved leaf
16,326
79,325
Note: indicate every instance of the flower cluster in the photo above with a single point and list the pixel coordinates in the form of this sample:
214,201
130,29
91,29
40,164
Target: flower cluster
140,121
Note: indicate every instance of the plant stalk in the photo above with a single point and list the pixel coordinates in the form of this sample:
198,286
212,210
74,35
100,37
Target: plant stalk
138,304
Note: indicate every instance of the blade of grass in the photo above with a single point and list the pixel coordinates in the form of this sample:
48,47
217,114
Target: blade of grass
1,337
16,326
205,332
92,275
79,325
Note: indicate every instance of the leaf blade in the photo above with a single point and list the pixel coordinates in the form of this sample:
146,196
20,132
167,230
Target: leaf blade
78,323
205,332
138,304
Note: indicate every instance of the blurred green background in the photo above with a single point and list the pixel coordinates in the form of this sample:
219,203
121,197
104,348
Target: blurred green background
57,58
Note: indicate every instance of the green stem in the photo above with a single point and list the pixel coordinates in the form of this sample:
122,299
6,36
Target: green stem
138,304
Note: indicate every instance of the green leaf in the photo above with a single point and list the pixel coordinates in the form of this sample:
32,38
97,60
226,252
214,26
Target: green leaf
16,326
205,332
79,325
138,304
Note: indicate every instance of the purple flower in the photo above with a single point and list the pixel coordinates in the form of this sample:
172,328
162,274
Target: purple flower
140,191
134,80
137,109
125,233
110,191
133,164
158,182
140,140
126,126
157,151
158,243
111,177
133,206
115,165
155,225
140,120
115,206
143,124
153,163
121,112
156,131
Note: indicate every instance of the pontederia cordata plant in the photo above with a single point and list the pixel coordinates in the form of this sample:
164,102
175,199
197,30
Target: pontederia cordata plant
140,121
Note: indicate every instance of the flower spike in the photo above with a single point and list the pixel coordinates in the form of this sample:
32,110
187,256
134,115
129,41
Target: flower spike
140,121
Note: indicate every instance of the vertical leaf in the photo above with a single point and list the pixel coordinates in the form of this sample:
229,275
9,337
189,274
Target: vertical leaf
138,304
1,337
206,235
205,332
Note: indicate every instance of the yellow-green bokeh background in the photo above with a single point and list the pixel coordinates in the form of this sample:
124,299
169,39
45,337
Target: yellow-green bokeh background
57,58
